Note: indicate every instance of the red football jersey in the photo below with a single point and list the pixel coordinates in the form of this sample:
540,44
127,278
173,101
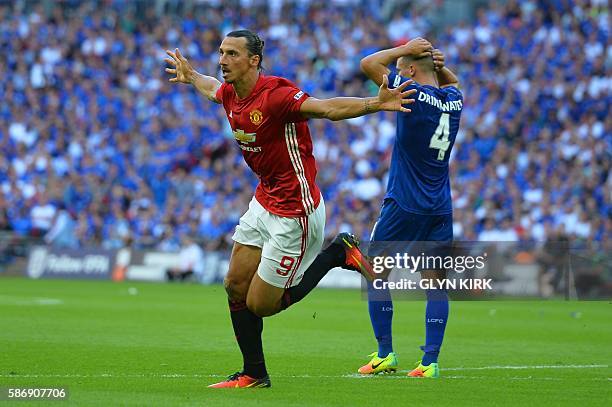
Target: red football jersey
276,144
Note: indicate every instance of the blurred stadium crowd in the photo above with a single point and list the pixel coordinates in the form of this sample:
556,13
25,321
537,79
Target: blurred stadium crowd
97,148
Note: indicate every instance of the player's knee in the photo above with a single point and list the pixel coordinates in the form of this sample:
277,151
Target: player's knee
236,290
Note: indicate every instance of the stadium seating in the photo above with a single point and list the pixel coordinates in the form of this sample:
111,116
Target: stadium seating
92,126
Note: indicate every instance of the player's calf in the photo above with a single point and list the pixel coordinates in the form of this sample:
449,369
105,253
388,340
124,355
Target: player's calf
264,299
342,252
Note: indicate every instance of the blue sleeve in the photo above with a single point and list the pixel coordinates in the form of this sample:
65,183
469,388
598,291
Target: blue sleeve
452,90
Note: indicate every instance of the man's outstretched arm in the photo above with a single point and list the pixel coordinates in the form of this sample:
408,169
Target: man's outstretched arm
341,108
206,85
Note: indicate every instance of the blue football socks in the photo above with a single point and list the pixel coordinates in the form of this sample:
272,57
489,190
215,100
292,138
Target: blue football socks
381,315
436,315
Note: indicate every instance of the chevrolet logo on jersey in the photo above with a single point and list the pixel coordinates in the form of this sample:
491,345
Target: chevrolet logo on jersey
241,136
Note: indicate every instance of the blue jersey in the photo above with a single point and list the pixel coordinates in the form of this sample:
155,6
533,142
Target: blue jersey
418,177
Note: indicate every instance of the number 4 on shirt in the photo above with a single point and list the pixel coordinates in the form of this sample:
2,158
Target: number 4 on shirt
439,140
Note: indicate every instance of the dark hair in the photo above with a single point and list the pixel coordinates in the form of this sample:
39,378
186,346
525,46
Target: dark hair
424,61
254,44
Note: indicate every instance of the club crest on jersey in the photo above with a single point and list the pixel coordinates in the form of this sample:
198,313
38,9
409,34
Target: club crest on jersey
256,117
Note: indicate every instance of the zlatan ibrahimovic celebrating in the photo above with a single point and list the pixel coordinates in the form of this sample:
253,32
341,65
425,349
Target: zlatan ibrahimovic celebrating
275,260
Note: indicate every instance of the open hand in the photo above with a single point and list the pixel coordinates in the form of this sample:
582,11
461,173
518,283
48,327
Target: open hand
182,68
395,99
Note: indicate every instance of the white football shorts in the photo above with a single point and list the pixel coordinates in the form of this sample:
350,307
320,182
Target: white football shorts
289,245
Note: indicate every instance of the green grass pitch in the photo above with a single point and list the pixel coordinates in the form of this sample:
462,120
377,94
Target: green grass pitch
162,345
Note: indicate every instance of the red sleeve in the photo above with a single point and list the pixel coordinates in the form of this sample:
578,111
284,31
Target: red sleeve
219,94
285,102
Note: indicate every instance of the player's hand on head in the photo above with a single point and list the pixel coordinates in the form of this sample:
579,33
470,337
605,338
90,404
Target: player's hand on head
417,46
438,59
181,67
395,99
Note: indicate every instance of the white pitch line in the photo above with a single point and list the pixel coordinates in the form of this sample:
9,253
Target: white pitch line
347,376
15,300
359,377
527,367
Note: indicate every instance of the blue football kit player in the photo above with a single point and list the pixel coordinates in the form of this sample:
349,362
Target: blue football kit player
417,206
